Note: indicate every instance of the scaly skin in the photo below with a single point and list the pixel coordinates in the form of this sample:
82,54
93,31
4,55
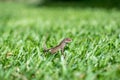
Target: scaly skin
61,46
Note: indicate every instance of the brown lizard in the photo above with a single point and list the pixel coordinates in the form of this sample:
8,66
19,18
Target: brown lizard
61,46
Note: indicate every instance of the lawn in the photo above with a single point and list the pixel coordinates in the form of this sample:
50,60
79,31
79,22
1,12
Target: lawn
93,54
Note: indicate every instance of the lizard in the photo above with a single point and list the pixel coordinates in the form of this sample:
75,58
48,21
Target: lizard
60,46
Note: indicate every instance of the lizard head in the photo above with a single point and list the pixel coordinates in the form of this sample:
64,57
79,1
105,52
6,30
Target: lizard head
67,40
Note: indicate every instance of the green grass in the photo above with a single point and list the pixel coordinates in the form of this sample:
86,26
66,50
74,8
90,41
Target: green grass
94,53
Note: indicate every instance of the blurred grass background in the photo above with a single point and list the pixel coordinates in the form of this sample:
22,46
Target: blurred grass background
93,54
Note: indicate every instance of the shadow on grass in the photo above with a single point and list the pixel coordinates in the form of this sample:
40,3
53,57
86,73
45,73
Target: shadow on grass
82,4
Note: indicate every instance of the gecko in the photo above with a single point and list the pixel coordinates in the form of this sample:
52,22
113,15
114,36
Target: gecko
60,46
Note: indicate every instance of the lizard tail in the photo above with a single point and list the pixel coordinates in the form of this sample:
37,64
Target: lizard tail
45,48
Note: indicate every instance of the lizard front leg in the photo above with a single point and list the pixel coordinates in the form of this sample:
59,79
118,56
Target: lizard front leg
62,51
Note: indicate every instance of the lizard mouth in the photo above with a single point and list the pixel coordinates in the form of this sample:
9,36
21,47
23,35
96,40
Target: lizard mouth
68,40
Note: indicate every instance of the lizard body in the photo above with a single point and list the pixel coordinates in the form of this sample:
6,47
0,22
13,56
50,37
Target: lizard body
61,46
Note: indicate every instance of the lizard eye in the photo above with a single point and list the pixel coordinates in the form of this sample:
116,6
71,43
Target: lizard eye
68,40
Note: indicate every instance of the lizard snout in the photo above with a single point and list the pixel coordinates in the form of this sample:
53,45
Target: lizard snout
67,40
